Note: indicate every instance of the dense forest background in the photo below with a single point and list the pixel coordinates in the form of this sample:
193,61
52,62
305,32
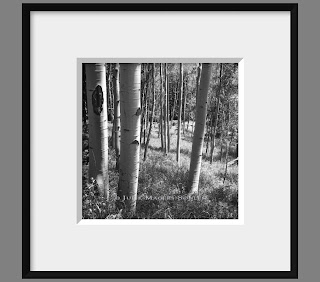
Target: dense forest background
168,98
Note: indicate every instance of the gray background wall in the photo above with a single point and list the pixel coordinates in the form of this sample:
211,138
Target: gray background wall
11,136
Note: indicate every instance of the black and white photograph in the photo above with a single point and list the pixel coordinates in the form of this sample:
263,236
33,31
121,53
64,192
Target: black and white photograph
167,130
160,140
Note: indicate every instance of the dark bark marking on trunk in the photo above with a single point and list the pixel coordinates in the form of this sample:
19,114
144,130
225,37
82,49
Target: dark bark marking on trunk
97,100
138,112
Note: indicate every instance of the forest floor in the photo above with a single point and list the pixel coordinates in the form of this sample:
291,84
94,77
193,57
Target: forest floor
162,183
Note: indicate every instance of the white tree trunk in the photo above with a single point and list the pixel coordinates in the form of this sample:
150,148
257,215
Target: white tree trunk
216,117
166,83
184,105
198,137
179,114
161,108
98,125
130,108
165,119
116,105
152,111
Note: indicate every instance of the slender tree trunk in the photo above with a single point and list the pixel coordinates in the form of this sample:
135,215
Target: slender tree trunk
198,81
157,116
98,125
110,83
116,109
168,108
197,144
152,112
130,85
108,86
208,134
142,99
143,102
184,106
197,91
211,129
165,139
228,145
226,162
146,114
108,74
161,123
216,117
174,103
221,136
179,114
147,117
161,109
146,123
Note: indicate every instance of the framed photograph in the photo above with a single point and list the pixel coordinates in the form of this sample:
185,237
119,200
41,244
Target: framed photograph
160,140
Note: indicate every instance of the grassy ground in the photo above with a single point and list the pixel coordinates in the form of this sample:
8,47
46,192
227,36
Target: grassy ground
161,190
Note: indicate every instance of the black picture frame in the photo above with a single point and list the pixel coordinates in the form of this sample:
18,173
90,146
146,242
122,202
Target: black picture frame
27,9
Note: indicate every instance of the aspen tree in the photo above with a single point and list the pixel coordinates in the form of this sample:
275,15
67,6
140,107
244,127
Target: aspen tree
98,125
108,74
161,109
165,119
145,104
166,83
228,143
142,99
184,105
216,116
198,137
152,112
116,105
179,114
130,109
